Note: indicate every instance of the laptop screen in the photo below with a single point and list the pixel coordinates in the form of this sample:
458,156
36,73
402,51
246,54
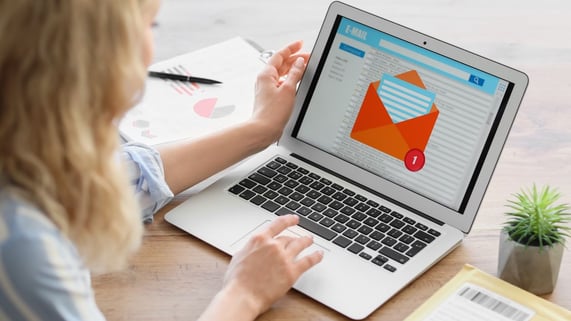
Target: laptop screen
404,113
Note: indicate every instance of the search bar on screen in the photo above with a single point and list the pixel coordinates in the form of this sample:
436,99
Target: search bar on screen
428,61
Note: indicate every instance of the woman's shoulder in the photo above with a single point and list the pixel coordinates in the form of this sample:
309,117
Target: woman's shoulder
21,219
28,238
39,267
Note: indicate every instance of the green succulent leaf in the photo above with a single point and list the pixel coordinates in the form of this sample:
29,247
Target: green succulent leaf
536,219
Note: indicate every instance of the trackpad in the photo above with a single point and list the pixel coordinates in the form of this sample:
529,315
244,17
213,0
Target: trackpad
294,231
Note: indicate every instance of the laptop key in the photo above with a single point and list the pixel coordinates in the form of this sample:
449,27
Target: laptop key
296,196
365,256
389,241
380,260
236,189
353,224
421,226
350,201
284,170
274,186
341,218
283,211
302,189
316,228
342,241
329,213
373,212
359,216
280,178
303,211
247,194
325,181
260,189
291,165
349,192
385,218
362,239
315,216
327,222
389,268
392,254
401,247
337,186
382,227
434,232
293,205
328,191
409,229
423,236
324,199
314,176
282,200
397,223
397,215
318,207
355,248
339,228
365,230
273,165
385,209
374,245
249,183
377,236
271,206
362,207
336,205
258,199
303,171
361,198
267,172
285,191
409,220
350,233
407,239
372,203
415,247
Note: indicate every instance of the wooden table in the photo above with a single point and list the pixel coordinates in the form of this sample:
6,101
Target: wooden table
174,275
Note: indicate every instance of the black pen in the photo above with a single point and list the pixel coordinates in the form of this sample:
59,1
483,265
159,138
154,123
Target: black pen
166,75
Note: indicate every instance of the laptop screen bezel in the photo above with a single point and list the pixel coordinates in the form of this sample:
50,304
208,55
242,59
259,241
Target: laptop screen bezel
417,203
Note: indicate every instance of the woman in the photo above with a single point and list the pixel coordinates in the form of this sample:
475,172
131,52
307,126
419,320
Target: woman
69,70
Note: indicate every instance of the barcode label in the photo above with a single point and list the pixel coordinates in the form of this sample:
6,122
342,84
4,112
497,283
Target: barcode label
475,303
496,303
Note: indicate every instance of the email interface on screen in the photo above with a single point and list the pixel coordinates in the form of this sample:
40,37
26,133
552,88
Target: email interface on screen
404,113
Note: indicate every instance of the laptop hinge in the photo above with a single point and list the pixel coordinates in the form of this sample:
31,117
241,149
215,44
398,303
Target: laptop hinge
381,195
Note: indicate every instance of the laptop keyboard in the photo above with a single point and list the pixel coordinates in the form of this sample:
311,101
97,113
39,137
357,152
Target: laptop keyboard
347,219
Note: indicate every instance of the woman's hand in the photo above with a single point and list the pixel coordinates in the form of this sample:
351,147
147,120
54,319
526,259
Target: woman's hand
267,267
275,90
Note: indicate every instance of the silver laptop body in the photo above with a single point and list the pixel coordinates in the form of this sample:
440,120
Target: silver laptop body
394,125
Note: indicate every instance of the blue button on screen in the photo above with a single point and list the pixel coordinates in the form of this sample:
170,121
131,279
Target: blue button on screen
352,50
476,80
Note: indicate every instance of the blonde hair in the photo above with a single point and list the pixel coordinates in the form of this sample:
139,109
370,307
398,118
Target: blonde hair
69,69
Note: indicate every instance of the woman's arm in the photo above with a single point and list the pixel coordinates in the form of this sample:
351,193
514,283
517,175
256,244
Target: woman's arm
188,163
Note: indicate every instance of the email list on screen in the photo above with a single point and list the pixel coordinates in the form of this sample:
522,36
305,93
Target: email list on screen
402,112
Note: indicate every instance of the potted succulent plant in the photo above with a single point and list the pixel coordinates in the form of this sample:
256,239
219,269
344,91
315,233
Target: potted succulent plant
532,239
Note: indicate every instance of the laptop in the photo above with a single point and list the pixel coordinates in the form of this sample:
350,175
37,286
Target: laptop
387,156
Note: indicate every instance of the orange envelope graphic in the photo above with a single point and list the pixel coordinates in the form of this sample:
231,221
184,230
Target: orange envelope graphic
375,128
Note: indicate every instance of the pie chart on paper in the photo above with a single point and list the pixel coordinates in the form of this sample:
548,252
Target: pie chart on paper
207,108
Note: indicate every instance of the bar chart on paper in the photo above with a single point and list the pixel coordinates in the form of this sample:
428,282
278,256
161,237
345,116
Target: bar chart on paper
172,110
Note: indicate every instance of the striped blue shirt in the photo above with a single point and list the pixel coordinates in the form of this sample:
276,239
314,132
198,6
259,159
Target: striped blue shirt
41,273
